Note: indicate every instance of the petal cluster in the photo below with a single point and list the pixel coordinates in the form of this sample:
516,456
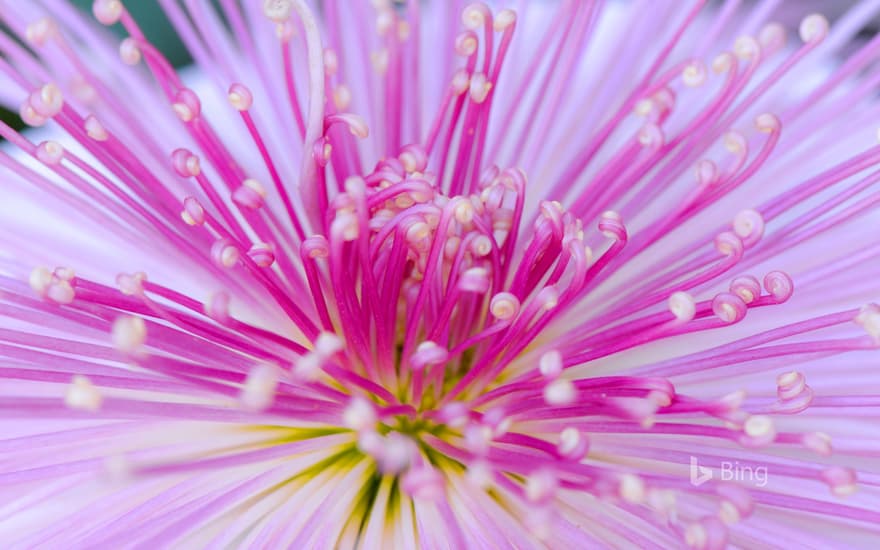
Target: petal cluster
433,274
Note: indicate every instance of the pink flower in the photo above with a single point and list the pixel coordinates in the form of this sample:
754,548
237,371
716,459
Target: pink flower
429,275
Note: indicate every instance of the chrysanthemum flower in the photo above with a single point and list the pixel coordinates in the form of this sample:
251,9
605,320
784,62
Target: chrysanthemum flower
436,275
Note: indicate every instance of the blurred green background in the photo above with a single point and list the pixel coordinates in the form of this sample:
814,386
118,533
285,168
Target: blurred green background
154,24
